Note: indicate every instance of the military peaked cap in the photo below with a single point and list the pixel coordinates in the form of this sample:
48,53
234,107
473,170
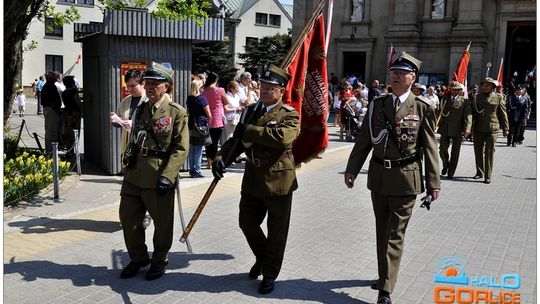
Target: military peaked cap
275,75
158,72
406,62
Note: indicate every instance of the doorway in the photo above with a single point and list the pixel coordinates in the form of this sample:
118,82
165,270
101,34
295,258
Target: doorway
354,63
520,51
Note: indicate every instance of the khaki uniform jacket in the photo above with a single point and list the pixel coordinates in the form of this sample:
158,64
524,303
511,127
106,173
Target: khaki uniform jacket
415,124
489,112
456,117
123,112
169,125
270,170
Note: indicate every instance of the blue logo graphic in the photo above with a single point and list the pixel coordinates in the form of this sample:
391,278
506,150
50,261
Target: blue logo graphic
451,271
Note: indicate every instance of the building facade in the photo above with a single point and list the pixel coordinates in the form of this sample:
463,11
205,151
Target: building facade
56,49
256,19
435,31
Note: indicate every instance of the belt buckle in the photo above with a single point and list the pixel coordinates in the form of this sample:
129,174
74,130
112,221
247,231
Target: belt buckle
256,162
144,151
387,164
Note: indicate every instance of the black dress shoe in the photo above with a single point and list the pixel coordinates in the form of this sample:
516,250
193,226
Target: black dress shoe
375,286
267,286
444,170
450,176
513,144
132,268
487,181
156,271
477,176
256,270
384,299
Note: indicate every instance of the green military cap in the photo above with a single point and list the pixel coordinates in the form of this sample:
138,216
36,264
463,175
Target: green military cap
158,72
406,62
490,80
275,75
454,85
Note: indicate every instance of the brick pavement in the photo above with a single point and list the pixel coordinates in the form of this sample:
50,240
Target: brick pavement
75,257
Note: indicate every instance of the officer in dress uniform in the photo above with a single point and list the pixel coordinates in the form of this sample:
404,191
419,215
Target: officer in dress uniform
519,107
159,145
267,130
489,114
456,120
399,128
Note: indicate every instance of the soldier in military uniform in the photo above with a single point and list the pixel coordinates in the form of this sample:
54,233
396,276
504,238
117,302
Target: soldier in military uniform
399,127
266,133
158,147
489,114
456,120
519,108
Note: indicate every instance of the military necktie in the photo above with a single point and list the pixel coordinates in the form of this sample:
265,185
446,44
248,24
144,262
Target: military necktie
263,111
396,103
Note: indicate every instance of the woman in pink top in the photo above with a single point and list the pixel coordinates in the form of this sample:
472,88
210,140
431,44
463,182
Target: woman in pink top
216,100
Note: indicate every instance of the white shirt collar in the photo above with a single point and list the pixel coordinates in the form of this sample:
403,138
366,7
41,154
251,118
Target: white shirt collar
402,98
270,107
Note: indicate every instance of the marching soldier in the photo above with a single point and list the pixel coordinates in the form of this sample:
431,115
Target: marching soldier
399,127
456,119
157,149
267,130
519,108
489,114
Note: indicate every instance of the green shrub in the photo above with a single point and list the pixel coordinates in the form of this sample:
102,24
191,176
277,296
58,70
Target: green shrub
26,174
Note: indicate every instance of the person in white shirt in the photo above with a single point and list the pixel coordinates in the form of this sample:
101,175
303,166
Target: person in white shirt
433,98
21,102
232,110
244,89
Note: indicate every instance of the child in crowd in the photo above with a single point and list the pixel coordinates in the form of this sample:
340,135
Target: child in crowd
21,102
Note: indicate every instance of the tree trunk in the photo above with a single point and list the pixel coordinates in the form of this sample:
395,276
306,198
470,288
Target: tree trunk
21,13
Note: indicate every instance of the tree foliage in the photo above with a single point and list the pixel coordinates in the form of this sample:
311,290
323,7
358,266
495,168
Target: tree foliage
268,50
214,57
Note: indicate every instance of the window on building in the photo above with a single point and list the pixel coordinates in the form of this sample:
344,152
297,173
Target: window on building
251,41
89,2
51,30
275,20
54,63
261,18
65,1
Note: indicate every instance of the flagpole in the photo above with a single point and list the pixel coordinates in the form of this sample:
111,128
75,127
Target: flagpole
300,39
329,24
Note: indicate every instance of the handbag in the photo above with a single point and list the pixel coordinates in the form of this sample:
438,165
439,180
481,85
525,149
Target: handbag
200,135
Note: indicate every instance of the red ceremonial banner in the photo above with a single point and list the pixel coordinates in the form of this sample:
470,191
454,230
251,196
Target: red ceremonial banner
307,92
460,74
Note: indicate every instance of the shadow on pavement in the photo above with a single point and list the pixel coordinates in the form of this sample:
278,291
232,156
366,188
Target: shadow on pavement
87,275
515,177
46,225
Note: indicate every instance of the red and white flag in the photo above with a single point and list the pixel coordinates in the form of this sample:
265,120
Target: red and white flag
307,92
500,74
391,55
460,74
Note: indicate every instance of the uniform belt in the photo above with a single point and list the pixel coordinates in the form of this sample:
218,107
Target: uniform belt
259,162
145,152
396,163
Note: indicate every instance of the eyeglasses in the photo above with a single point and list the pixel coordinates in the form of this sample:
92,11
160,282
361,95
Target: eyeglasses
400,73
269,91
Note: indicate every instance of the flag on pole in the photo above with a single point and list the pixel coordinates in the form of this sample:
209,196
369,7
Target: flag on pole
500,74
329,24
460,74
79,57
307,92
391,55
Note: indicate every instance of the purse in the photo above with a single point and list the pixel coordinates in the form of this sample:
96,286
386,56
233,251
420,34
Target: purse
200,135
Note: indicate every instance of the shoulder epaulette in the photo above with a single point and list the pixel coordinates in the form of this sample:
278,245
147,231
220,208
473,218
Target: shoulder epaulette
288,108
175,105
423,99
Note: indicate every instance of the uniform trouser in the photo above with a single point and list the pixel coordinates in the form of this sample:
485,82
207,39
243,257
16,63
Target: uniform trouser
392,214
450,161
270,249
134,202
484,149
51,128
